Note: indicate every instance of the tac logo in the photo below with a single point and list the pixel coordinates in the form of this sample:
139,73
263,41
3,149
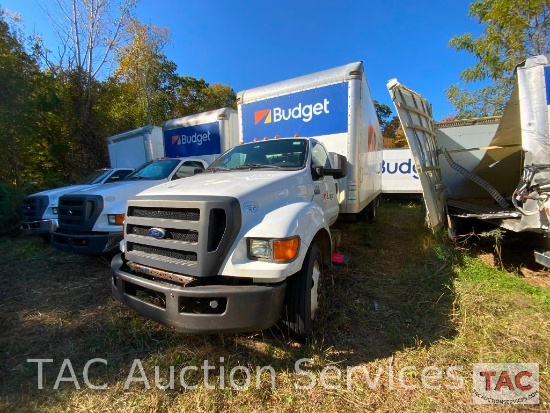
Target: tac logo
300,111
506,383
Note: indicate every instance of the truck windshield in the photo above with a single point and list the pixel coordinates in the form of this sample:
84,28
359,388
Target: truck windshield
158,169
96,177
274,154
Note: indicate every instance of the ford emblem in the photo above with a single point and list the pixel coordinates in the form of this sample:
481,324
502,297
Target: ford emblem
250,207
158,233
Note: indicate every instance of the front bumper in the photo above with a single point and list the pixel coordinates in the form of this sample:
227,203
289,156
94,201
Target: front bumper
43,226
86,243
191,309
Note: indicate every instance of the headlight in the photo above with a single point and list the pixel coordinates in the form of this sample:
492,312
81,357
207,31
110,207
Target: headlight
277,250
115,219
260,248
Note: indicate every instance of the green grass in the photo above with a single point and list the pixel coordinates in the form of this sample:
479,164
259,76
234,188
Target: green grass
407,298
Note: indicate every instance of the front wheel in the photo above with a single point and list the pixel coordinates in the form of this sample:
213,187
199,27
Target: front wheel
302,295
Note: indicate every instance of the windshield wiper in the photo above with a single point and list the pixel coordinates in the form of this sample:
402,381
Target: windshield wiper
257,166
217,168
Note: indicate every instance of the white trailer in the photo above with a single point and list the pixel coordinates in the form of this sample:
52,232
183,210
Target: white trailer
509,171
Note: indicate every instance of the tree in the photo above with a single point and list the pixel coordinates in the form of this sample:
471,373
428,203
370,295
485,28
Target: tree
514,30
26,98
89,31
193,95
392,132
146,71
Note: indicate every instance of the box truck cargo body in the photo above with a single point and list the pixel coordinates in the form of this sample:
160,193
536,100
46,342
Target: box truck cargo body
133,148
90,221
336,108
504,177
244,244
399,175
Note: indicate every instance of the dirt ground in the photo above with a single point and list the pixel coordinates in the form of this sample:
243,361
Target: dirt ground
517,258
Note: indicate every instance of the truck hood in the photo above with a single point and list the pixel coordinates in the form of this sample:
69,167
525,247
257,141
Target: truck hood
55,193
121,188
246,186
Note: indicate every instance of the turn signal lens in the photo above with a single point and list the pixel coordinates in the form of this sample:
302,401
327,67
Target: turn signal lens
285,250
117,219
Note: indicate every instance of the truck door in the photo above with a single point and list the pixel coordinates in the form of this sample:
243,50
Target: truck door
325,188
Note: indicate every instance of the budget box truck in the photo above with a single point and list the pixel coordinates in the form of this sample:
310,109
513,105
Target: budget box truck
499,175
244,244
399,175
90,220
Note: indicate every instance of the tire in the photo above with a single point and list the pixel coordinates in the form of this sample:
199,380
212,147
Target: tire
302,296
371,211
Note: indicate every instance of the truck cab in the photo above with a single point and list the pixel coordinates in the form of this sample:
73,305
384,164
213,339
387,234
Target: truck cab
90,221
237,247
40,210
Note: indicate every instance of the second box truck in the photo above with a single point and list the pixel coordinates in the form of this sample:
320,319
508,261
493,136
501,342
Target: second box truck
90,221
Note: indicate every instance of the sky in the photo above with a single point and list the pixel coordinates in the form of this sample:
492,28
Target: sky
246,44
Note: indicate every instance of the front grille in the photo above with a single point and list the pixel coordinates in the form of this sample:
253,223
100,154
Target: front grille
79,212
34,207
175,234
184,235
185,214
165,252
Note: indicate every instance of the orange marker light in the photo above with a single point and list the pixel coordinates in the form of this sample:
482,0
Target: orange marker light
285,250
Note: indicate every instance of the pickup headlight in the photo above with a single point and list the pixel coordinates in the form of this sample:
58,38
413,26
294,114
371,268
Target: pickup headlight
277,250
115,219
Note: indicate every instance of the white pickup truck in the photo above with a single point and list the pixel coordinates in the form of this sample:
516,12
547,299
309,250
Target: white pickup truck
90,220
39,212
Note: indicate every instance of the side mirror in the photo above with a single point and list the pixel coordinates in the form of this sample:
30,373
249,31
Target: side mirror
318,171
341,169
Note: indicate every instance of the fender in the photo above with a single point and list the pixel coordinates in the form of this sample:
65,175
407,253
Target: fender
304,219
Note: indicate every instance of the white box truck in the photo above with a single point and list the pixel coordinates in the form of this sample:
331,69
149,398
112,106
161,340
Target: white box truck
133,148
90,220
127,151
399,176
244,244
40,210
500,173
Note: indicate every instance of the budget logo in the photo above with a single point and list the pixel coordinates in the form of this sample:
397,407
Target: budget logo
261,115
505,383
196,138
302,112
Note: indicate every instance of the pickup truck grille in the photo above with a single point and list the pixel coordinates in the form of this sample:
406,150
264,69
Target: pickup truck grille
79,212
185,235
34,207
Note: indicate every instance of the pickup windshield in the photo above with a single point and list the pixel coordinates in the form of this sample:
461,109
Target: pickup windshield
287,153
154,170
96,177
